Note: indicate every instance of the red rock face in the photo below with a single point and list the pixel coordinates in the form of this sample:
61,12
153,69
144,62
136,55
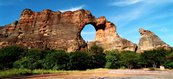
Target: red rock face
61,31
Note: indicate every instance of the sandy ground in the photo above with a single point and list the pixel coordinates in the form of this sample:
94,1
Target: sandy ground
106,74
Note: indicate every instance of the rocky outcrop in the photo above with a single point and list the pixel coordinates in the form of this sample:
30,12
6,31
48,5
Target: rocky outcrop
109,39
150,41
61,31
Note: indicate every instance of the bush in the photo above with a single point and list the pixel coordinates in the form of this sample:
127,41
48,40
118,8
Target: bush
14,56
169,60
97,57
169,64
9,55
56,60
129,59
153,58
112,60
78,61
96,50
32,60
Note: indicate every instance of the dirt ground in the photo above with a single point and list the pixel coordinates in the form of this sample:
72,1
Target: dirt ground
107,74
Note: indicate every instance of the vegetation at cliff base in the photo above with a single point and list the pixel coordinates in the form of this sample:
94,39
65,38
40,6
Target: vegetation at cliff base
14,57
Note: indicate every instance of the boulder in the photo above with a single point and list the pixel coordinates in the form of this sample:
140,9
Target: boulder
150,41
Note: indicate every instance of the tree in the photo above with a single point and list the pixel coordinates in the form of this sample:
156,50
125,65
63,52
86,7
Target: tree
129,59
56,60
112,59
78,61
169,60
154,57
31,60
97,57
96,50
9,55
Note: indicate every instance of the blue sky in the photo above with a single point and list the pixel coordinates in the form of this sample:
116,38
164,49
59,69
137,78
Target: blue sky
127,15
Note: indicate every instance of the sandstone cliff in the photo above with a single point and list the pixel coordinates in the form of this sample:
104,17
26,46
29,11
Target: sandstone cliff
150,41
61,31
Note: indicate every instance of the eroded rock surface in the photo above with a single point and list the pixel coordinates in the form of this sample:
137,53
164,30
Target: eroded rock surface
150,41
61,31
108,38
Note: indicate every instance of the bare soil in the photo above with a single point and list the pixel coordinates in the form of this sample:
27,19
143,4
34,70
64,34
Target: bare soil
106,74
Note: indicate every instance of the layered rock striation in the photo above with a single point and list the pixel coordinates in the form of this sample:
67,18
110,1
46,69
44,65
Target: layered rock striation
61,31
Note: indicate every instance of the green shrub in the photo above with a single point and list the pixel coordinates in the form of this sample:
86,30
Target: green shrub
112,60
9,55
97,57
32,60
29,63
153,58
34,53
129,59
169,60
96,50
169,65
14,56
56,60
78,61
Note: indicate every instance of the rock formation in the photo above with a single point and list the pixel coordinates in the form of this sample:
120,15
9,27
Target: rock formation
150,41
109,39
61,31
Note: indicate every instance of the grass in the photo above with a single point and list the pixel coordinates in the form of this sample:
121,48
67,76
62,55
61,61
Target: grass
20,72
14,72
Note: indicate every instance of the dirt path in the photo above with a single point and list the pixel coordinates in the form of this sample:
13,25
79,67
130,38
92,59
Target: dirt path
106,74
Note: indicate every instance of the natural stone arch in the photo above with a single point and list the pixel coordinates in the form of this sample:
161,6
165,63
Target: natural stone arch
88,33
61,31
107,37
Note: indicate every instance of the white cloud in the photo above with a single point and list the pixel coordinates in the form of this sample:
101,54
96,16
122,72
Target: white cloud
144,15
123,3
141,11
73,8
126,18
157,1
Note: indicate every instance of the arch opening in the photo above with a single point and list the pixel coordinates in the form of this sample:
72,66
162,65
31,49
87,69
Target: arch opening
88,33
